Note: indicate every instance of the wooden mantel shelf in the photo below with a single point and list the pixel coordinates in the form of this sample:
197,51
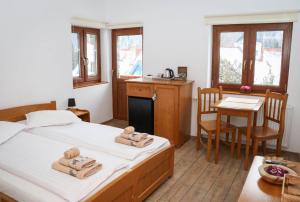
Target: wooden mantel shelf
163,82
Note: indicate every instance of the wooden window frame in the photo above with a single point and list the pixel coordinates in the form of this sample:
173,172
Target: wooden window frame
249,55
84,79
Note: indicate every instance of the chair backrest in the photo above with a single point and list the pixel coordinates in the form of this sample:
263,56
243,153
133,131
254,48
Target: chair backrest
275,108
206,98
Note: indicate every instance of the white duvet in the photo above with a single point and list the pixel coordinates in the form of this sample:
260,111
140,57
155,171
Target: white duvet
30,157
97,137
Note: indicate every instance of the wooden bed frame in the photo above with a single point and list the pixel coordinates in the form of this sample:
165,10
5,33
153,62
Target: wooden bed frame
134,185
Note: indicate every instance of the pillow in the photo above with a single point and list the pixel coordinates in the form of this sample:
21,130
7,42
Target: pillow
50,118
9,130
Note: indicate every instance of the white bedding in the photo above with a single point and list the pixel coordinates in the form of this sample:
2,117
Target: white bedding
26,191
28,159
97,137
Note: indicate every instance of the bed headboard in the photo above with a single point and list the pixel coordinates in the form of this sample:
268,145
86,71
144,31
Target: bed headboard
18,113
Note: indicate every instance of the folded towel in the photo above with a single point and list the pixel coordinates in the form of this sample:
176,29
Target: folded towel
143,143
71,153
86,172
129,130
77,163
134,136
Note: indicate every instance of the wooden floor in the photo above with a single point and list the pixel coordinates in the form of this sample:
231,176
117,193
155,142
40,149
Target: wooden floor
116,123
195,179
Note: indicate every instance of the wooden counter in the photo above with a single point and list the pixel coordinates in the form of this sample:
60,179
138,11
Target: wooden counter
160,81
172,106
256,189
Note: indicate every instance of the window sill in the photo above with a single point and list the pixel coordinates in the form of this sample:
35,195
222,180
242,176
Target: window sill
82,85
245,94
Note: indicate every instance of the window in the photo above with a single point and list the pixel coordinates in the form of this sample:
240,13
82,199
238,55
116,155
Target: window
128,52
85,56
256,55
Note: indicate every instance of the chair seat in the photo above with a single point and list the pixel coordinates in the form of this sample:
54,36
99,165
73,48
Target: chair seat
212,126
262,132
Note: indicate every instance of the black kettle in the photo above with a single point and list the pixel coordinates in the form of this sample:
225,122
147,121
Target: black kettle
169,73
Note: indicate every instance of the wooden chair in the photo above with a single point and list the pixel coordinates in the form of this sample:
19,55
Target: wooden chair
274,110
206,98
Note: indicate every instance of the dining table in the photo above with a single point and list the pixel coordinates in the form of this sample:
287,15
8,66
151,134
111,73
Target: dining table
240,107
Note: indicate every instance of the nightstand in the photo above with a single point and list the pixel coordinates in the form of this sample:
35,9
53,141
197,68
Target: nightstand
83,114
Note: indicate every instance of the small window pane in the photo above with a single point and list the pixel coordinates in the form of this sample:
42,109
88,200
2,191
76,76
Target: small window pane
91,53
75,55
268,58
231,57
129,55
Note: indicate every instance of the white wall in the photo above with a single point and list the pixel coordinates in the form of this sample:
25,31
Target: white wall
175,34
35,49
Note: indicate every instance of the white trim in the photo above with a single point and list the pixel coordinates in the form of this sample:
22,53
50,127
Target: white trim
121,26
82,22
252,18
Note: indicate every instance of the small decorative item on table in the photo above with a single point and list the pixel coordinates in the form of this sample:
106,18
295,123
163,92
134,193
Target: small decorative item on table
245,89
182,73
274,173
278,161
290,189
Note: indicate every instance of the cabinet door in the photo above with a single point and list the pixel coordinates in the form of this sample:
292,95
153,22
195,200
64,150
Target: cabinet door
166,112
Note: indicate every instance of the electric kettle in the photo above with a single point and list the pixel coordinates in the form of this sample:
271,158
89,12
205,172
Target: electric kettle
169,73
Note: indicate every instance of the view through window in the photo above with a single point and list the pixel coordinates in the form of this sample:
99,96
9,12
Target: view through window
256,55
130,55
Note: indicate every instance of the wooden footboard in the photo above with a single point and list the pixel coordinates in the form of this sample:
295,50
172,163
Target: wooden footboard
140,181
5,198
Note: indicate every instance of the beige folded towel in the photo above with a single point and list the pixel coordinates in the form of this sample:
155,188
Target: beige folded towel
143,143
71,153
86,172
134,136
77,163
129,130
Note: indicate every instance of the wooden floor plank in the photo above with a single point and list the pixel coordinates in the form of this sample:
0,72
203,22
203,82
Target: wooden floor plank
237,185
224,181
180,168
185,182
196,179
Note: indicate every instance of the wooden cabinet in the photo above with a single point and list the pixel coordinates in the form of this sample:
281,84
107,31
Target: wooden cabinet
172,106
139,90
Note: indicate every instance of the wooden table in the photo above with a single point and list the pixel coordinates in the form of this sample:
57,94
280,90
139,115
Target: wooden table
242,110
256,189
83,114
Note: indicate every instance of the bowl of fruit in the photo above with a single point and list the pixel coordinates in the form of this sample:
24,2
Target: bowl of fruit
274,173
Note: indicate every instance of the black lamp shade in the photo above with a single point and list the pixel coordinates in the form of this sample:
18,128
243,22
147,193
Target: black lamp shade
71,102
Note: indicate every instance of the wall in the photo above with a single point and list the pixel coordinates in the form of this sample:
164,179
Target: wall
175,34
35,49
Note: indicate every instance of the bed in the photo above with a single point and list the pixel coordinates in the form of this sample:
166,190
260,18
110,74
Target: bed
133,185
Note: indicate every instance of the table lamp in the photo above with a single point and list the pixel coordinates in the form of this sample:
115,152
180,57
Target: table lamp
71,102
